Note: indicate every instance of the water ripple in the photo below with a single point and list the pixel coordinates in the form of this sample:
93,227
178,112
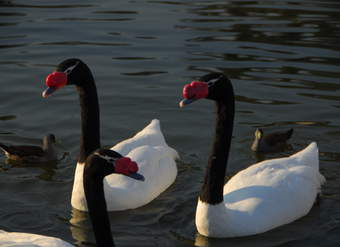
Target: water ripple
78,43
283,60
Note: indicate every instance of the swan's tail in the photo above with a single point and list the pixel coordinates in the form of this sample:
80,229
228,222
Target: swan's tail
174,153
151,135
309,156
154,128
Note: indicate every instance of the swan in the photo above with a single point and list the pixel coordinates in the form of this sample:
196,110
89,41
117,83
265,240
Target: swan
22,239
259,198
98,165
32,154
273,142
148,147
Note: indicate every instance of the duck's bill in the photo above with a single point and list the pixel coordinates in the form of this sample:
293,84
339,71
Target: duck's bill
48,91
136,176
185,102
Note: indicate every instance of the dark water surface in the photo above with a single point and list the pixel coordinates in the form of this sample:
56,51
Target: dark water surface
282,56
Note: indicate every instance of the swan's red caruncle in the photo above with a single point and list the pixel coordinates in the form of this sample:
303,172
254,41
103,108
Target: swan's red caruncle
56,79
125,166
195,90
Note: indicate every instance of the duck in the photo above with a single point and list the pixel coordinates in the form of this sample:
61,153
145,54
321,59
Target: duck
273,142
32,154
98,165
157,161
259,198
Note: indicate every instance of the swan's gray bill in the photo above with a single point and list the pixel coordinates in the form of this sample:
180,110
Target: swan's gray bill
136,176
185,102
48,91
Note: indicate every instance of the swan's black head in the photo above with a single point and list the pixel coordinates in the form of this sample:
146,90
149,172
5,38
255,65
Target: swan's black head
212,86
69,72
103,162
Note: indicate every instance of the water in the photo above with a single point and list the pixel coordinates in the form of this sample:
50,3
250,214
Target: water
283,60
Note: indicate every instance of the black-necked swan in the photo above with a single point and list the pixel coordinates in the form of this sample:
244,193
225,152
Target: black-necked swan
148,147
272,142
101,163
263,196
32,154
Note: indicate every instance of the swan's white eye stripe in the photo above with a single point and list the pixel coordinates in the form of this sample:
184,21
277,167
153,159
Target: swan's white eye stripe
105,157
212,81
69,69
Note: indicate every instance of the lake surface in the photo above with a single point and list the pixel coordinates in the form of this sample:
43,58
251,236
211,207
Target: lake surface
283,58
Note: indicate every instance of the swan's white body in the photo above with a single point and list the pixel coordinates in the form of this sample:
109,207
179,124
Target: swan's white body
156,162
264,196
20,239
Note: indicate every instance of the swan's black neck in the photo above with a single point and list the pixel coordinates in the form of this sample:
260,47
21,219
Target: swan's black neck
90,136
94,193
212,190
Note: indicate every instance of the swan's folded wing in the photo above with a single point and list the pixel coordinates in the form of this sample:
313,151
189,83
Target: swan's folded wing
158,167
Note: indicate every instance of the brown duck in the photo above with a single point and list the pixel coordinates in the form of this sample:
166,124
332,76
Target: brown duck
273,142
32,154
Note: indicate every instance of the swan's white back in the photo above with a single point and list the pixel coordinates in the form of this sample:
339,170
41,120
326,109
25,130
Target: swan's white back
19,239
264,196
156,162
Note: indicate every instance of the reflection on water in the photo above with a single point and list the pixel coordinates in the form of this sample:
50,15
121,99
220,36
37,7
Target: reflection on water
8,117
80,227
47,169
283,60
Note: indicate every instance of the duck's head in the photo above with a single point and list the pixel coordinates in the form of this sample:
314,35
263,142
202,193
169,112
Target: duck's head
50,138
258,134
104,162
69,72
211,86
258,140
